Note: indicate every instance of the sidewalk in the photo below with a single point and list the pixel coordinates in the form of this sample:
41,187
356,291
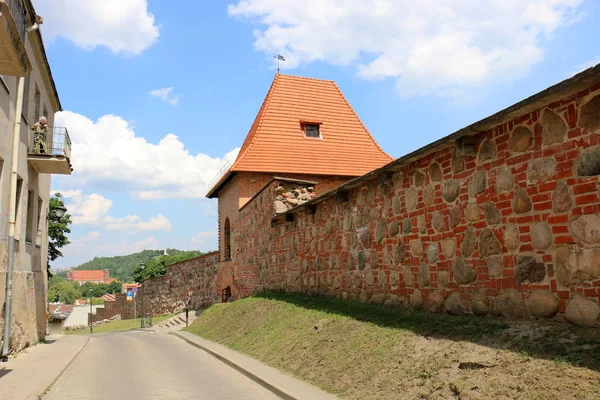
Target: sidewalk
282,385
27,375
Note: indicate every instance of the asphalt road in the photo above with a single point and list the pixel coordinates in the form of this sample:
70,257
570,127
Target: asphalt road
143,365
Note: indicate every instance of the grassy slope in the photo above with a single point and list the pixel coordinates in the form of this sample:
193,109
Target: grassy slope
366,351
117,326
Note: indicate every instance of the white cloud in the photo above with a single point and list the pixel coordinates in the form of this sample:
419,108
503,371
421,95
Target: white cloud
428,46
125,27
108,151
93,210
86,246
203,236
584,66
166,95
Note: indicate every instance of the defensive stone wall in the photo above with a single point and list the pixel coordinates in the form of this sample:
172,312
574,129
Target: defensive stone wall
120,306
188,284
503,221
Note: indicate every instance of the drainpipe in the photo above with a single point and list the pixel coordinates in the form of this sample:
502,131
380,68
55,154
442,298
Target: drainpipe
12,219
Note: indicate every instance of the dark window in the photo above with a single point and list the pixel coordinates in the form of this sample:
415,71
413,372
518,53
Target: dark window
30,208
227,240
36,104
312,130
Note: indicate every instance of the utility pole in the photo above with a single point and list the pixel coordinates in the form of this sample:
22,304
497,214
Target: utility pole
91,313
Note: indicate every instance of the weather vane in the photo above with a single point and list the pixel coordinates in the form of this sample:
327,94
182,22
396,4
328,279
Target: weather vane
279,58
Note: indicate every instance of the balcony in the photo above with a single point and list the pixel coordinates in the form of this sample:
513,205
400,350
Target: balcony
49,150
13,24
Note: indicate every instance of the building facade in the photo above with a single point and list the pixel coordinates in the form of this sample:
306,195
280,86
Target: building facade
306,131
91,276
27,92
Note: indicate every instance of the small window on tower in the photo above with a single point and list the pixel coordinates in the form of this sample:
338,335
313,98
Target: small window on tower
312,130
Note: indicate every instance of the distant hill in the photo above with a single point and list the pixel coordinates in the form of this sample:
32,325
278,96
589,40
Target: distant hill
122,267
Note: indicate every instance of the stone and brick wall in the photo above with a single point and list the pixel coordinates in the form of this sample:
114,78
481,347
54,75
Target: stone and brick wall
188,284
120,306
505,222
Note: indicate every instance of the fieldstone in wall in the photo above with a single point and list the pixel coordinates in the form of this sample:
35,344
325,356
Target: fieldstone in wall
416,299
561,198
448,247
529,269
541,235
435,302
279,207
521,202
488,243
586,228
374,261
541,170
395,301
478,183
589,163
416,247
494,267
472,212
435,172
370,193
328,227
380,230
428,195
542,304
553,128
504,181
468,243
454,305
583,312
438,222
509,304
394,278
396,205
424,275
589,115
511,237
399,253
394,228
374,213
410,198
463,274
364,236
487,150
432,253
450,190
347,221
574,265
455,216
406,226
480,303
458,163
362,260
443,278
408,276
520,140
421,224
419,178
491,213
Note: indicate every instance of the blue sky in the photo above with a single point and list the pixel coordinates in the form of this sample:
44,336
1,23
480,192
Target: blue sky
159,95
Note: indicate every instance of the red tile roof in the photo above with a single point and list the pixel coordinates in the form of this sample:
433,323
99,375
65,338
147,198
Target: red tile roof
86,275
277,143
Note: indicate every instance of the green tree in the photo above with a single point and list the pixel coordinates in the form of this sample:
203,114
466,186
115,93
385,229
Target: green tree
157,266
62,292
114,287
58,228
99,289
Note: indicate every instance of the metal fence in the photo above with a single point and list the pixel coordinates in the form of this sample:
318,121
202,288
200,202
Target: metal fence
51,140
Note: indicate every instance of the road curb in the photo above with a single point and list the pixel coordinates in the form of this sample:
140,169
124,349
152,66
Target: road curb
267,385
47,389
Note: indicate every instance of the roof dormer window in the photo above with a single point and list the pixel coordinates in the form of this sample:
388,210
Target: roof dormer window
312,130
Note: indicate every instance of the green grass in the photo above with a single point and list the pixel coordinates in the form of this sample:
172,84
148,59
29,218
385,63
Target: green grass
118,326
369,352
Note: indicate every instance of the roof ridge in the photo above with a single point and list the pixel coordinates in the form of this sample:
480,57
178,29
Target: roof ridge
257,123
306,77
360,121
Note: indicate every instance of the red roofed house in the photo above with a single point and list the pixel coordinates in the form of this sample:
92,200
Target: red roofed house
93,276
306,131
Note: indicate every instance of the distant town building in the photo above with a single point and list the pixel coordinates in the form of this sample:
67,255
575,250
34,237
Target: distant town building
92,276
128,287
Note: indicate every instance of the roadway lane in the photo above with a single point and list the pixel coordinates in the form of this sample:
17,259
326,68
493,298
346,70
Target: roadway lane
143,365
